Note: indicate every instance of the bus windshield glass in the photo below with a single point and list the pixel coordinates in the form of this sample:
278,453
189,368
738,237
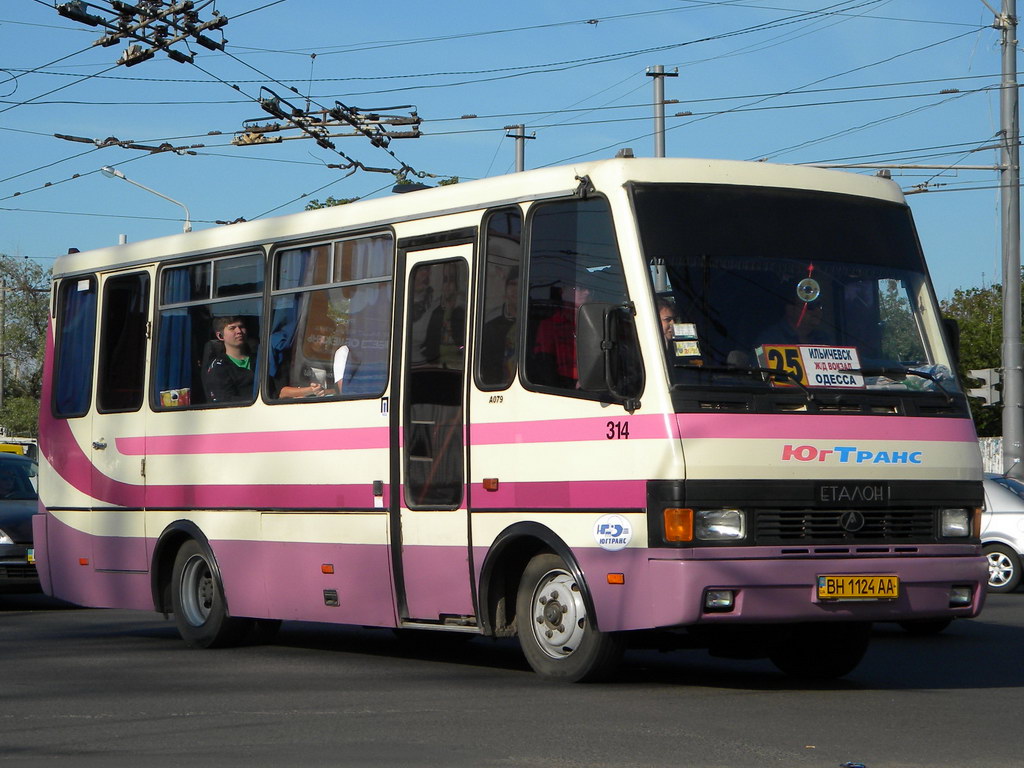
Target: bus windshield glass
788,289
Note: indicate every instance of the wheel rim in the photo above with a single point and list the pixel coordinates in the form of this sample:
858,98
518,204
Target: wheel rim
197,591
1000,569
558,617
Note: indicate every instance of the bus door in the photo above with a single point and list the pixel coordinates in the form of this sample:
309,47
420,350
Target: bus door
430,521
119,424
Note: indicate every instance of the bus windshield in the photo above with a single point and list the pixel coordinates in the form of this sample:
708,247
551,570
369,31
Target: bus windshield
791,289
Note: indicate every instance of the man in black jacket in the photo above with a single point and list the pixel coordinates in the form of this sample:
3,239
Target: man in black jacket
229,376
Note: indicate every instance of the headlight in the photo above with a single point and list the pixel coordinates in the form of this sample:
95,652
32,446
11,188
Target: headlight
4,538
719,524
956,522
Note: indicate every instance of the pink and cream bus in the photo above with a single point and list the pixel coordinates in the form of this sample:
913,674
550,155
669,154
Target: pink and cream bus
699,403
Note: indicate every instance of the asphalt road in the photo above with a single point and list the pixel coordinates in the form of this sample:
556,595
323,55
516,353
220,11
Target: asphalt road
113,688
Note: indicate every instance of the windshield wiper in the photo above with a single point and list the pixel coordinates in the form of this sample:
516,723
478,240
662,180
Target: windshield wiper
900,371
747,371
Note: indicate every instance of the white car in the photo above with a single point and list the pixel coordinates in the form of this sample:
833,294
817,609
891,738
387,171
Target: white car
1002,531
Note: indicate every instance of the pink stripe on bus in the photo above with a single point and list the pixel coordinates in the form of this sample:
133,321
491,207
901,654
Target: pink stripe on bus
647,427
561,495
739,426
356,438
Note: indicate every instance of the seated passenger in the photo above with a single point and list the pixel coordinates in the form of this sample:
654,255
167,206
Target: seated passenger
554,347
229,376
667,317
341,355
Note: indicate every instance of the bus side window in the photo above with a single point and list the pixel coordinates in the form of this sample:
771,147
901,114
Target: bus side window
330,320
573,260
123,343
192,297
75,348
497,345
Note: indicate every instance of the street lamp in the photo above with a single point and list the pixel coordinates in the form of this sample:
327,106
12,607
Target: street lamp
113,173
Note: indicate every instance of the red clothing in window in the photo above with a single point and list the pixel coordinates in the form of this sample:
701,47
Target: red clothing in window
556,336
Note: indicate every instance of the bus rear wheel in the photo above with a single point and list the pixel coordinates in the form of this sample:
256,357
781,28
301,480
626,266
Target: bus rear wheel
197,598
555,632
821,651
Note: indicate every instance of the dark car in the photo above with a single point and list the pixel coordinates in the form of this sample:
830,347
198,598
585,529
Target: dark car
18,502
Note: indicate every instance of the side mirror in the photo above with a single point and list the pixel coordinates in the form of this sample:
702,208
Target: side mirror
607,353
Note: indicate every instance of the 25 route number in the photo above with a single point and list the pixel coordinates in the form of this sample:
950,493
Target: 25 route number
786,359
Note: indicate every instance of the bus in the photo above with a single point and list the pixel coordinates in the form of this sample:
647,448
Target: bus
691,403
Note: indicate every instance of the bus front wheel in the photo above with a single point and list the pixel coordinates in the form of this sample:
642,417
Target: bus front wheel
821,651
197,598
555,632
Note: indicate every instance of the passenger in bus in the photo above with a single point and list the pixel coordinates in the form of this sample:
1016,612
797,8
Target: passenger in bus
667,318
498,344
229,376
554,346
311,389
444,345
341,367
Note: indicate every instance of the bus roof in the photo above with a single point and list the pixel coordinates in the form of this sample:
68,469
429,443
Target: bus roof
473,195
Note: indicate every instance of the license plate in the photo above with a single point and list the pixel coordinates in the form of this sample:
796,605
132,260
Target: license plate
842,587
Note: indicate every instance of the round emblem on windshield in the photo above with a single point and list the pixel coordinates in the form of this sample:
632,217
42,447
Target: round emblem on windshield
808,289
852,520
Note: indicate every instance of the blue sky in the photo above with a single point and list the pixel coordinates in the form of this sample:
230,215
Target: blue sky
792,81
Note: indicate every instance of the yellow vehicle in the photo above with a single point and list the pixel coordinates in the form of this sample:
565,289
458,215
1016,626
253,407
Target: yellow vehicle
19,446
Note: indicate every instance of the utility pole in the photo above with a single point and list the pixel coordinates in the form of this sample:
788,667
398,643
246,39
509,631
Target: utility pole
659,74
520,137
1013,375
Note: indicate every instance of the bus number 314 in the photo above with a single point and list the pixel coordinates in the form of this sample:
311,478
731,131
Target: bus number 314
617,430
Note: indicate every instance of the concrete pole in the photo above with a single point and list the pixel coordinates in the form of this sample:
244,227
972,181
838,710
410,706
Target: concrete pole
659,74
520,137
1013,374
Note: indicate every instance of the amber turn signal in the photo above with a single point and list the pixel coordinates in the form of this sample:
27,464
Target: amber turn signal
678,524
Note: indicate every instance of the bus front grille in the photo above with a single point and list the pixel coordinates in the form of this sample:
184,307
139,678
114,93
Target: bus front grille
822,526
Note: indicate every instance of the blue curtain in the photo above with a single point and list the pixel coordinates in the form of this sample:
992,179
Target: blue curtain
76,348
296,269
174,355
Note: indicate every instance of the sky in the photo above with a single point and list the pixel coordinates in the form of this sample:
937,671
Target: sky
877,82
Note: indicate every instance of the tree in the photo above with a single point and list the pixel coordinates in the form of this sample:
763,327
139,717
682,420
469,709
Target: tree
979,312
329,202
24,312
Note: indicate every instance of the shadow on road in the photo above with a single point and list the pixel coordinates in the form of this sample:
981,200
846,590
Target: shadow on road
32,601
969,654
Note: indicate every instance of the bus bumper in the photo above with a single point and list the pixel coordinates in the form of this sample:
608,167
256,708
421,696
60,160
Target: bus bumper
787,591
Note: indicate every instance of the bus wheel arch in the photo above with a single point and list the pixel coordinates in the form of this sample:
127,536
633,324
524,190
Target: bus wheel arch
169,542
503,569
187,582
556,629
197,597
525,560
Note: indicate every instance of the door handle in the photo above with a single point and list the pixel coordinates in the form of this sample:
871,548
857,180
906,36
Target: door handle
98,445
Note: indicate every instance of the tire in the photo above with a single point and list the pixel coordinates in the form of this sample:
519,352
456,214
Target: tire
925,627
821,651
555,632
197,598
1003,568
